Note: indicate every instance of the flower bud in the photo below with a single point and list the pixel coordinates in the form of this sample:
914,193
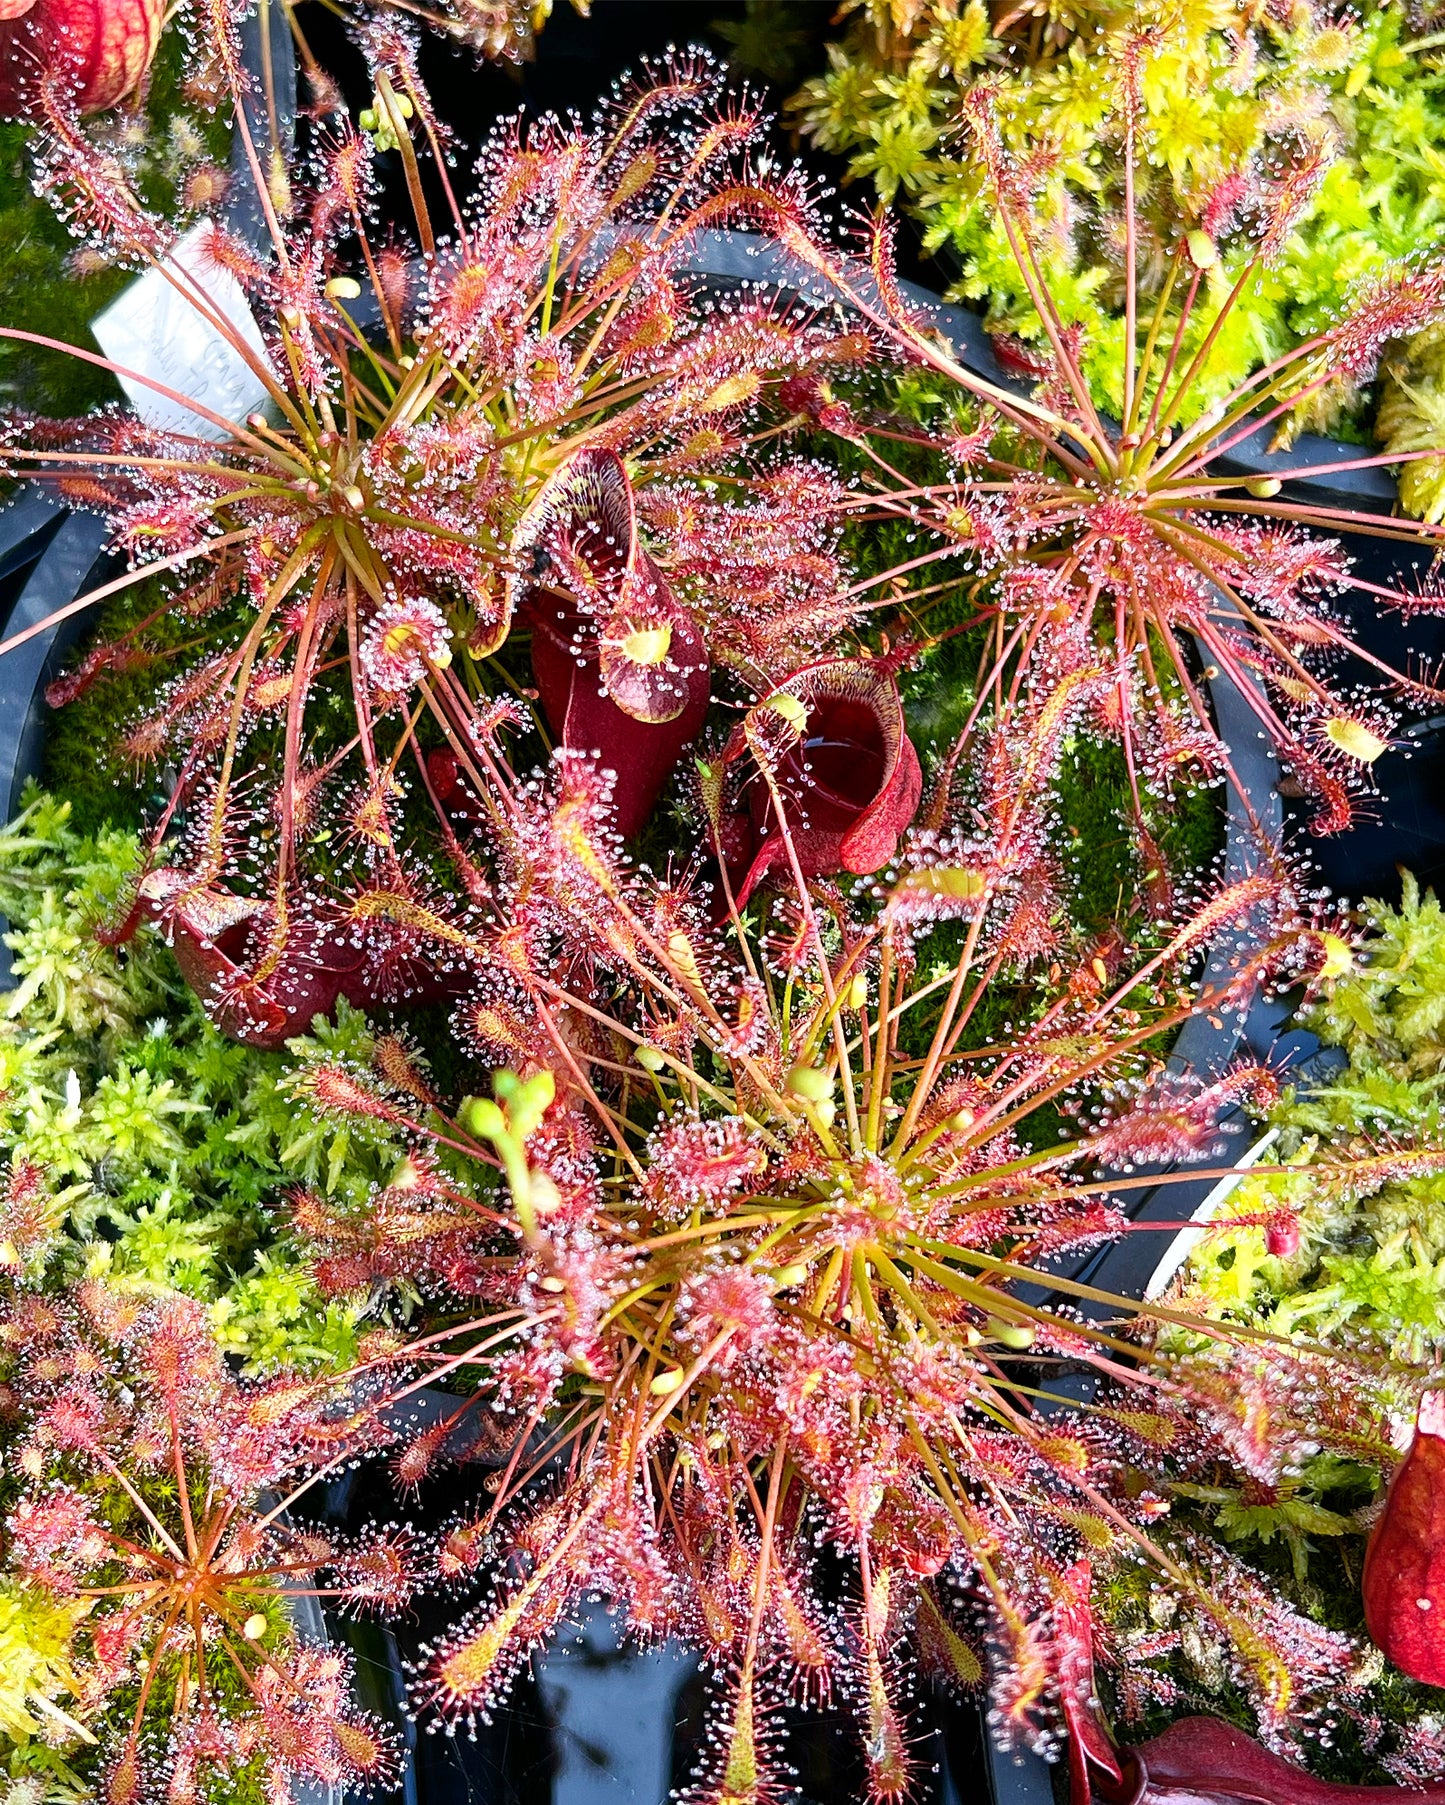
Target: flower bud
480,1118
811,1083
527,1100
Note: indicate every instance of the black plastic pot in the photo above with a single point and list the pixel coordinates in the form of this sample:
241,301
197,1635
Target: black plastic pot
47,555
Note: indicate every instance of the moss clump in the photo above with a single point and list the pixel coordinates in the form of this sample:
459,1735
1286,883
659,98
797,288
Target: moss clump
168,1147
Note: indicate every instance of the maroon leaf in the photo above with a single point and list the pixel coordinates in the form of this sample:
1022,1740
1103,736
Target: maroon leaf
1089,1743
1204,1761
1404,1578
221,943
263,995
101,48
1197,1761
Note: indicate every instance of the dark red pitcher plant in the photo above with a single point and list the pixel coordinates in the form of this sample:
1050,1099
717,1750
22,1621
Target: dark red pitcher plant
621,666
1196,1761
1404,1579
819,778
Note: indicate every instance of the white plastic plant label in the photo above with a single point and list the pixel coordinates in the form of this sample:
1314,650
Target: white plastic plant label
153,329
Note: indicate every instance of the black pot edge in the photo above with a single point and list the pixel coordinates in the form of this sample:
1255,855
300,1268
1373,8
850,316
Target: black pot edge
63,548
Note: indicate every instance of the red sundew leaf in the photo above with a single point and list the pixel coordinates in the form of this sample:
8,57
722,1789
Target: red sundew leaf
1017,357
100,659
27,1214
913,1533
1204,1761
124,1783
695,1161
889,1763
1404,1578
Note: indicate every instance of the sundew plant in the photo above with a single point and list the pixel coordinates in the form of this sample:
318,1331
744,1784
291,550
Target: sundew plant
153,1496
747,1225
1080,537
748,1263
404,505
1219,86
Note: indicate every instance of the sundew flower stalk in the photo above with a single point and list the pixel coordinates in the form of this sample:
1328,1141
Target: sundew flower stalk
529,419
742,1256
154,1494
1132,539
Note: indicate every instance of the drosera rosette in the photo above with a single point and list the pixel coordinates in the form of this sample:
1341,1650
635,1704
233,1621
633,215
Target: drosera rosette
157,1491
1214,87
424,467
1080,536
746,1223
